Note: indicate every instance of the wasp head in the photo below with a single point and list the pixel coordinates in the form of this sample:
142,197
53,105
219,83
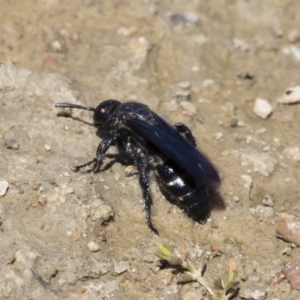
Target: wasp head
103,111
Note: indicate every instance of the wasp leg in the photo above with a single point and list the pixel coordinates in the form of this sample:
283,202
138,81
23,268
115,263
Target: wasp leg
182,128
77,168
141,163
102,148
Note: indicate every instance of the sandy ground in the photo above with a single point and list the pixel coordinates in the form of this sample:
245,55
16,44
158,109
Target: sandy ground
202,63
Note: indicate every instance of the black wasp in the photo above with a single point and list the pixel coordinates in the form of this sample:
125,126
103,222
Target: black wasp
185,176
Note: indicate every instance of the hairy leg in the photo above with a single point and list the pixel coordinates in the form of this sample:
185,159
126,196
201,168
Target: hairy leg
142,165
102,148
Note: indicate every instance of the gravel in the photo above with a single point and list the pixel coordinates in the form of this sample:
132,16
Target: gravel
146,51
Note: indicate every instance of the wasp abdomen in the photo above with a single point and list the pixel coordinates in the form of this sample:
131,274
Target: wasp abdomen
180,189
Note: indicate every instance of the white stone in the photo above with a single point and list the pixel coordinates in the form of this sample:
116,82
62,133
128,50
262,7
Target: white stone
291,95
3,187
121,267
262,108
103,212
94,247
292,50
248,181
47,147
219,136
56,46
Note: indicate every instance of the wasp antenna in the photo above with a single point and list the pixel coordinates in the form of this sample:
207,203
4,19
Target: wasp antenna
70,105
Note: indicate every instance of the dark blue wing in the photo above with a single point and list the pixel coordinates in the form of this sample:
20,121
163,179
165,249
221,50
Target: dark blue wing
176,148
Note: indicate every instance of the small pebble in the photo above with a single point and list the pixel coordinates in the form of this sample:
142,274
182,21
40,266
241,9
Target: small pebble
262,108
294,36
297,157
291,95
248,181
35,186
254,291
47,147
12,144
278,32
268,201
126,31
261,130
74,37
121,267
50,62
262,212
165,278
99,232
241,45
189,108
143,289
233,122
292,152
207,83
117,176
79,254
288,228
76,235
200,120
143,41
3,187
249,139
262,162
291,271
287,251
185,84
292,50
64,33
56,46
226,152
66,189
236,198
182,17
34,203
94,247
219,136
103,213
183,96
204,100
191,17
